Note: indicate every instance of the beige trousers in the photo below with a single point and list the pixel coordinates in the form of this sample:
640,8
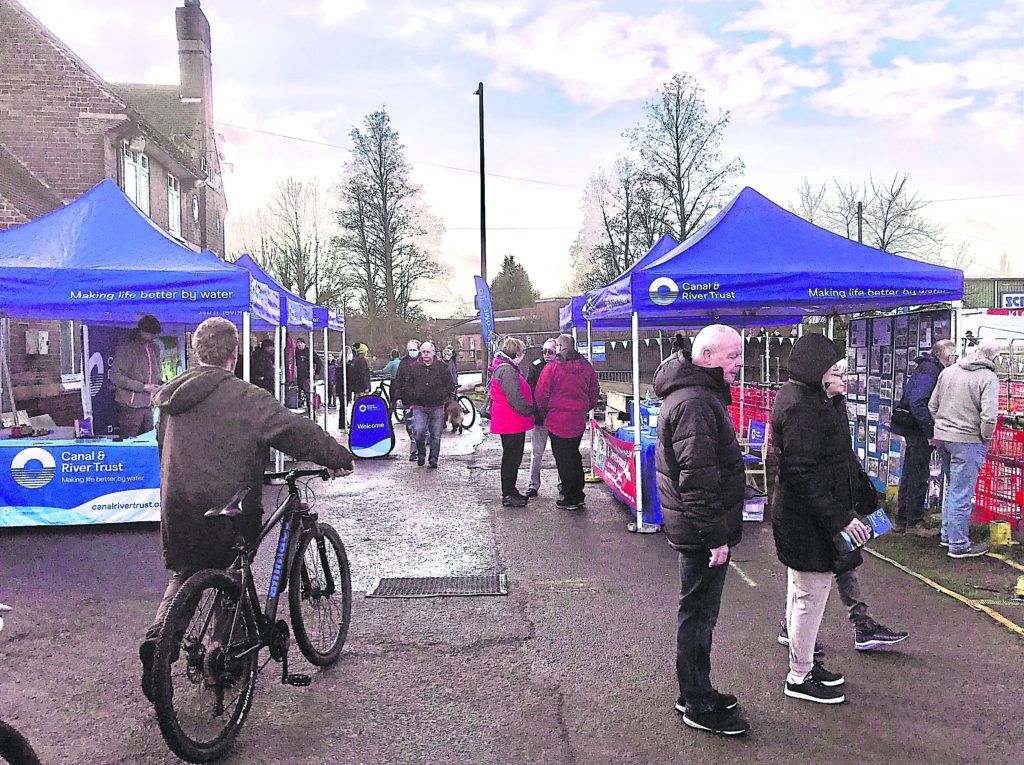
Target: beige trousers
806,596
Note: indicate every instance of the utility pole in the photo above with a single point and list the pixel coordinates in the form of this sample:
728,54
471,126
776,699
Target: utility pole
483,223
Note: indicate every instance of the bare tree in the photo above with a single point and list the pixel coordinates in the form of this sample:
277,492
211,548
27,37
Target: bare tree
624,217
679,150
383,223
886,216
895,223
290,240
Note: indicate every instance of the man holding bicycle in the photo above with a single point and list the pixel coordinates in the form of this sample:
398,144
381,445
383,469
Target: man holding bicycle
214,434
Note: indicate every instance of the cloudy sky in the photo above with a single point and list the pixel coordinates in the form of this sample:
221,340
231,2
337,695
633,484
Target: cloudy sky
818,90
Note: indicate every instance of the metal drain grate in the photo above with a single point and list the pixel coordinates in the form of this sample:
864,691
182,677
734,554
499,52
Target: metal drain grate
439,586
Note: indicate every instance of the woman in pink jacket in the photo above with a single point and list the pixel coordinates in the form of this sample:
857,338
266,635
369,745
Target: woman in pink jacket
511,415
566,391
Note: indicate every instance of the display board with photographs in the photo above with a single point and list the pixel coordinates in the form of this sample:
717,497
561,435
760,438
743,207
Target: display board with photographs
881,354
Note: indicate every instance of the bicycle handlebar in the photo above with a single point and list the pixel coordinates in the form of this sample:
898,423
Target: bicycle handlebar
296,473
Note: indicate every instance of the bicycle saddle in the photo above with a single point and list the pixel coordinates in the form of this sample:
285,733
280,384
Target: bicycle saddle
233,507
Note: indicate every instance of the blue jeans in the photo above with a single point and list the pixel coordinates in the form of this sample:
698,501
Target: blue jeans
961,464
700,596
428,422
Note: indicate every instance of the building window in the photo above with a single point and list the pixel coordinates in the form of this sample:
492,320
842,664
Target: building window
136,176
204,165
70,354
174,205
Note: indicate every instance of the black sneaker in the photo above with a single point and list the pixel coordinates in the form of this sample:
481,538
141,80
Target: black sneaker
421,461
878,636
829,679
725,702
724,723
147,649
531,492
432,465
976,550
513,501
899,528
784,639
413,457
812,690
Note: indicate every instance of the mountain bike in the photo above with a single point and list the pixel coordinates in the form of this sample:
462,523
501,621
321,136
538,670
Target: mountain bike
208,651
14,747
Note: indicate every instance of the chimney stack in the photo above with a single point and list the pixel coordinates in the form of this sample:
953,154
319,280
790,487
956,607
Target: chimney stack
194,58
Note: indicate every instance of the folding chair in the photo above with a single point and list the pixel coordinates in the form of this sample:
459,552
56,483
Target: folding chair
755,454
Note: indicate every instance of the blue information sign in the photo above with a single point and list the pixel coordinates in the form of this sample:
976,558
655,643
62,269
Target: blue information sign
371,434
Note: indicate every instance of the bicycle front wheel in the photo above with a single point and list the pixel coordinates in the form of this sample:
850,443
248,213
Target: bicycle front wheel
468,411
320,596
14,748
204,670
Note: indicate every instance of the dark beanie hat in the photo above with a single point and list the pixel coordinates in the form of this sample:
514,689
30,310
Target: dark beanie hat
149,323
811,358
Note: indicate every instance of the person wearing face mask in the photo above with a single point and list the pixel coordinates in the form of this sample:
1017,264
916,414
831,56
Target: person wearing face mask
868,634
819,490
539,434
398,387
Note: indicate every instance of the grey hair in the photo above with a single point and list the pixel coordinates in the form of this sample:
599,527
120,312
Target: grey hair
989,349
943,348
711,337
512,347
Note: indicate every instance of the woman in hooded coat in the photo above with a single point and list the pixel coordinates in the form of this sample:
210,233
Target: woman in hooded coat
819,488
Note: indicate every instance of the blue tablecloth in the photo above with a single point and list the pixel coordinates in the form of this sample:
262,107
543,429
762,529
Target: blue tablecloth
79,482
651,507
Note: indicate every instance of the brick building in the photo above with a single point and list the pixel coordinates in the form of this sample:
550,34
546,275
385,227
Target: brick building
63,129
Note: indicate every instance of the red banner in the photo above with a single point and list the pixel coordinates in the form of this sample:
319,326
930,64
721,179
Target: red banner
612,459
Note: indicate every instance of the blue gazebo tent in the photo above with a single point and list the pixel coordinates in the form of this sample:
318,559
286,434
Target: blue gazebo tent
755,262
100,260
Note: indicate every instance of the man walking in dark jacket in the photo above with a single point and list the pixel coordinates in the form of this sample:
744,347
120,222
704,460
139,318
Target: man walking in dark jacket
398,384
428,386
700,481
910,501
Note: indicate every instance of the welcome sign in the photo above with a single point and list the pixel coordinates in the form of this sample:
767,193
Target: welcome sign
371,434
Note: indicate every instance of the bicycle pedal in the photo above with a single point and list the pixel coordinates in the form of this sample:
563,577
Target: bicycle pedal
298,680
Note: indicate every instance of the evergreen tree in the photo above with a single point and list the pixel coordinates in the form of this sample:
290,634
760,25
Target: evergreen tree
511,288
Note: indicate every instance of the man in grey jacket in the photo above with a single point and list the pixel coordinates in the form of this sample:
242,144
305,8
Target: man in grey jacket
965,408
137,374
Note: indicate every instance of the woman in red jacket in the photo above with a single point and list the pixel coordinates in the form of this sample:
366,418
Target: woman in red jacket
511,415
566,391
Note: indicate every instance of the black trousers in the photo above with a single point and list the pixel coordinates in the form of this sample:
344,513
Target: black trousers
913,490
512,445
569,462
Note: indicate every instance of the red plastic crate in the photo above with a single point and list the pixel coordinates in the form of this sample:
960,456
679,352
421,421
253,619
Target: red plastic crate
999,491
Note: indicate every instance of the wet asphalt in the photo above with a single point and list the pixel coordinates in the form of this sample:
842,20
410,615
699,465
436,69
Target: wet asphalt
575,665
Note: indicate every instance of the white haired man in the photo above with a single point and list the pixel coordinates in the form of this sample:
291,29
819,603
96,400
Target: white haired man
700,479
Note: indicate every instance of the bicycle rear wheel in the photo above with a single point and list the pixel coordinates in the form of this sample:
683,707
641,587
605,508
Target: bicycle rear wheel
14,748
320,596
468,411
204,670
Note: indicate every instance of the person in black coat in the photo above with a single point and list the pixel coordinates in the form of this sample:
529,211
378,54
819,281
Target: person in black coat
358,371
820,487
913,491
262,369
868,634
700,479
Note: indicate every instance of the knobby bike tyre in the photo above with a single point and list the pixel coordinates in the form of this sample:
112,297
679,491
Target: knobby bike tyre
320,596
202,689
468,411
14,748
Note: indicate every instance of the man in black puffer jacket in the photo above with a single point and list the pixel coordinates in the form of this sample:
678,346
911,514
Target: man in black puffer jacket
700,482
